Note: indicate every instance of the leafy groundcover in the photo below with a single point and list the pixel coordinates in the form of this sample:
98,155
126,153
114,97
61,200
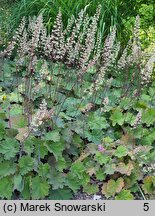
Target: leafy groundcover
75,116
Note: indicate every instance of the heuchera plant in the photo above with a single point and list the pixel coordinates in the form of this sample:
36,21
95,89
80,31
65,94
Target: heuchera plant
75,116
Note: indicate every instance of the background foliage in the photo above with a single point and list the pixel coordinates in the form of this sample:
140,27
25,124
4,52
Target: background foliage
117,12
94,133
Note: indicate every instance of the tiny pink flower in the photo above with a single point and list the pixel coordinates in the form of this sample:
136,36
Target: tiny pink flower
101,148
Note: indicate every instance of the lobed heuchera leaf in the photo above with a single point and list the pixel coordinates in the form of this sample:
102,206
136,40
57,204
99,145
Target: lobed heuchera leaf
40,188
91,189
26,192
117,117
94,136
55,147
72,182
148,185
7,168
28,145
112,187
61,164
6,188
121,151
26,164
125,168
56,179
61,194
67,135
130,180
44,170
52,136
77,169
85,180
124,195
39,148
102,158
2,130
148,116
9,148
100,175
11,132
110,168
96,122
91,171
18,183
19,121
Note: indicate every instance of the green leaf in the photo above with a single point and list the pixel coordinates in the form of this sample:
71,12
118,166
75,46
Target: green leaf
61,194
91,166
40,148
92,148
148,186
125,103
91,189
100,175
72,182
67,135
77,169
77,126
58,122
77,141
96,122
131,180
60,164
148,116
7,168
141,105
56,148
26,164
18,183
29,145
11,133
102,158
52,136
85,179
16,110
26,190
9,148
56,179
7,69
117,117
124,195
40,188
15,97
6,188
112,187
125,168
2,116
129,118
110,168
44,170
19,121
145,97
121,151
94,136
2,130
149,138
